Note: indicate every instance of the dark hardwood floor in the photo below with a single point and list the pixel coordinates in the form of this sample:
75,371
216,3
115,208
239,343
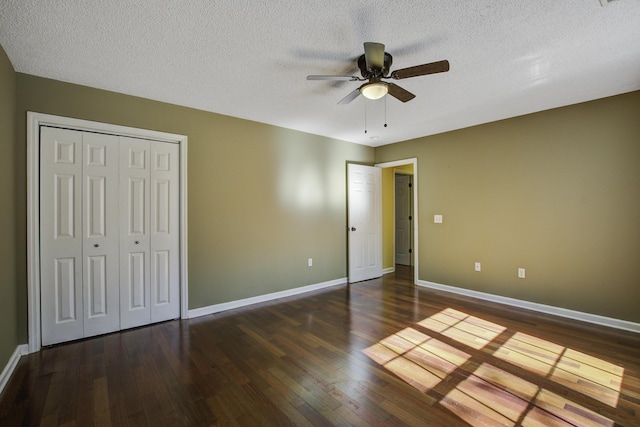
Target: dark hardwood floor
381,352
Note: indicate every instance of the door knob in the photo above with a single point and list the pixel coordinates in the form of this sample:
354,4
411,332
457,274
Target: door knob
137,242
96,245
353,229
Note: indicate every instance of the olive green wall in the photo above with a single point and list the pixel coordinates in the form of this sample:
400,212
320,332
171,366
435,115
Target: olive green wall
8,314
556,193
261,199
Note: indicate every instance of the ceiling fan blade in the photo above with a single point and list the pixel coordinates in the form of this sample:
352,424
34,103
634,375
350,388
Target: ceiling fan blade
325,77
399,93
374,55
421,70
352,95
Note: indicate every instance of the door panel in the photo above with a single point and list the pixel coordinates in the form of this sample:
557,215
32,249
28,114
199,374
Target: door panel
136,282
97,286
60,244
64,209
162,278
134,240
101,234
65,290
365,222
165,237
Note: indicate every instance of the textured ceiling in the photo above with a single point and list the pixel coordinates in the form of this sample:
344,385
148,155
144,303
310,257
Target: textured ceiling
250,59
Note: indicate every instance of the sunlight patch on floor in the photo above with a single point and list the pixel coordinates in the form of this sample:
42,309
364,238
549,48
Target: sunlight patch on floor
466,329
417,358
481,393
586,374
491,395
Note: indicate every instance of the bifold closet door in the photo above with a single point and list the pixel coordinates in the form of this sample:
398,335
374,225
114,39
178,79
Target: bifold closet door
135,240
165,231
78,234
149,245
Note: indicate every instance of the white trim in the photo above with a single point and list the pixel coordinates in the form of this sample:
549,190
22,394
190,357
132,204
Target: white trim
388,270
20,351
203,311
542,308
34,121
412,161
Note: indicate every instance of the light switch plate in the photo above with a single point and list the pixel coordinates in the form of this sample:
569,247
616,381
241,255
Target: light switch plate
437,219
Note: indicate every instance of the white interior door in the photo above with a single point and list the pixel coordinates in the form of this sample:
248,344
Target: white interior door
101,234
135,237
403,214
365,222
61,235
165,237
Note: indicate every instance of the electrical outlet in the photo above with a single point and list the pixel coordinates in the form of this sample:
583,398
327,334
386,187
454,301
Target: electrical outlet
478,266
310,262
521,273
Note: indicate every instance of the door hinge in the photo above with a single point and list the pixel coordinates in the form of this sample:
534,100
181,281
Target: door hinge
410,218
410,184
410,250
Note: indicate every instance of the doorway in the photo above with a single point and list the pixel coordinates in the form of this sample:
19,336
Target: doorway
405,166
403,210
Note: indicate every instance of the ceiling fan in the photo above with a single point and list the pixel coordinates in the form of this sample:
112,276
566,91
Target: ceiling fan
374,66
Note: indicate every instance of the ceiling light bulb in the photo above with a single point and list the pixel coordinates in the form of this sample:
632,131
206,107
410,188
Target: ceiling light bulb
374,90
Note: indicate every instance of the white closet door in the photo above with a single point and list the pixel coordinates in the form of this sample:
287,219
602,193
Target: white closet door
61,235
101,235
164,225
134,237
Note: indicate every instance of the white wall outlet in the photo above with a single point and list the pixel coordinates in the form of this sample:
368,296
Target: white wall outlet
437,219
310,262
478,266
521,273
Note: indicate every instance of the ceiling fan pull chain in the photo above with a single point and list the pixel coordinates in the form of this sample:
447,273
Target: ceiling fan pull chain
365,117
385,111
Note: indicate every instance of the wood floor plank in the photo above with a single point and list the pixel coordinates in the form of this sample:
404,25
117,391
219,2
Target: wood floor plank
376,353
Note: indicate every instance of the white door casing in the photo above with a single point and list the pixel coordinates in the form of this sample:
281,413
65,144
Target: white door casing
364,186
93,272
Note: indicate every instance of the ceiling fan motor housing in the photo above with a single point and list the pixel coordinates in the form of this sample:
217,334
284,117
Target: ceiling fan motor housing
375,73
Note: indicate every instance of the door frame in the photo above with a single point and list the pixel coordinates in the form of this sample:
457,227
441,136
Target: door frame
394,164
34,122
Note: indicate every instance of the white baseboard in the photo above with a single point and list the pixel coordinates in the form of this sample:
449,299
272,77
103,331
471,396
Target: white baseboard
203,311
547,309
388,270
20,351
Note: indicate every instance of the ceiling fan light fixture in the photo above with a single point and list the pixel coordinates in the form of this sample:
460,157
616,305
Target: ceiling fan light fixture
375,90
